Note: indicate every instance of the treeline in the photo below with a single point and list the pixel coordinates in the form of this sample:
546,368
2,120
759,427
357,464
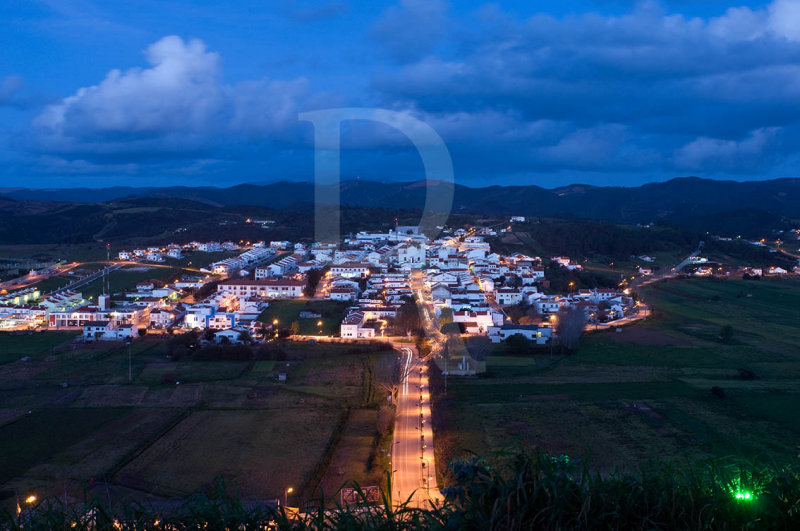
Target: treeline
753,255
581,238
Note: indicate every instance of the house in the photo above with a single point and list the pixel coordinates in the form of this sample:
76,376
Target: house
163,318
350,270
108,331
209,247
343,294
775,270
355,325
645,271
541,335
508,296
229,335
480,320
124,255
272,288
145,286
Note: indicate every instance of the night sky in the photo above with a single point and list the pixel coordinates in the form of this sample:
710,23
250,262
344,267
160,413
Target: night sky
96,93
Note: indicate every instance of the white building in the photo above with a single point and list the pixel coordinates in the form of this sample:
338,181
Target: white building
538,334
272,288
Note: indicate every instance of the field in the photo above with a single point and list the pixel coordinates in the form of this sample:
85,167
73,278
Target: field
14,346
71,419
288,312
644,392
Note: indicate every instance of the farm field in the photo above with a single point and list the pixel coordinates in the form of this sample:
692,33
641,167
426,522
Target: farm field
644,393
71,419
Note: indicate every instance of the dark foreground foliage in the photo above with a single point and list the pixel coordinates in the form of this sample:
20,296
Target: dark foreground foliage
513,491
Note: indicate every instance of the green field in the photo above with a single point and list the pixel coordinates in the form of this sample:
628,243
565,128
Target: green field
71,414
288,312
15,345
125,279
644,392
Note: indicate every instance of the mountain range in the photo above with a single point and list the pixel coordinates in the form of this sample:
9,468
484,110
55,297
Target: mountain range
720,206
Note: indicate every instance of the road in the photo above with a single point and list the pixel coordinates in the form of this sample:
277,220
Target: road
86,280
413,464
667,272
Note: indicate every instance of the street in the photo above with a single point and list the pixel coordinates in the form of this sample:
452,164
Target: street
413,465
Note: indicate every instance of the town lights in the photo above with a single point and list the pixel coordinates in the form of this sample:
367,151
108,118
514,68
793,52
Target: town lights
31,499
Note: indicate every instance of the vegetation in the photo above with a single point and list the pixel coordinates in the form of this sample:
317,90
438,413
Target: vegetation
166,416
287,312
519,490
582,238
625,398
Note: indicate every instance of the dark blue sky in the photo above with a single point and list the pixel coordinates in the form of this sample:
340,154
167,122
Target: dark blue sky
155,92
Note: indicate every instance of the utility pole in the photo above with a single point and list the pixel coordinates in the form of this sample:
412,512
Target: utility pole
108,273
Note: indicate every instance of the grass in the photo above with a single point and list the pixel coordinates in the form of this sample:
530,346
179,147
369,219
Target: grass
288,311
266,451
191,371
17,345
648,387
238,422
126,278
40,435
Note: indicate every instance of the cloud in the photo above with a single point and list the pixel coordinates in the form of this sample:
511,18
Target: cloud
14,93
735,156
179,92
647,91
176,105
685,90
411,29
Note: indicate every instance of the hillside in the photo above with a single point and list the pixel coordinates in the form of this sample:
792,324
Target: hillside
700,204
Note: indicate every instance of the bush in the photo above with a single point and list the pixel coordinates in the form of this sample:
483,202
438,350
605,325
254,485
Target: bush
726,333
513,490
746,374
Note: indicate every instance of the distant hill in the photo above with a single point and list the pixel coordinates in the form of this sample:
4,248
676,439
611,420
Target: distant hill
702,204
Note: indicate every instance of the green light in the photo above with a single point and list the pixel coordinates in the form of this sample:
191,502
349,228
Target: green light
744,496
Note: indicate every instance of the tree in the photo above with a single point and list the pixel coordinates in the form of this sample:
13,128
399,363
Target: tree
513,281
407,318
294,327
446,316
518,344
313,276
571,323
726,333
244,337
453,328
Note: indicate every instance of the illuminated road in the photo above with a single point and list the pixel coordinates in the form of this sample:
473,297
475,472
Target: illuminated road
413,465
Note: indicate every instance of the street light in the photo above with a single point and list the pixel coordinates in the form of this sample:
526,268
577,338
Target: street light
286,493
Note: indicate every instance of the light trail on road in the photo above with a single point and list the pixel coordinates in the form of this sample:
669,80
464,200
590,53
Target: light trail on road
413,463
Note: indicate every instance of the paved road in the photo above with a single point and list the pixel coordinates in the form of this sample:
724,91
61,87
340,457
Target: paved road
86,280
413,464
666,273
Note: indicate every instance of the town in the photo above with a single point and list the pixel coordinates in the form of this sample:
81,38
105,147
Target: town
467,289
